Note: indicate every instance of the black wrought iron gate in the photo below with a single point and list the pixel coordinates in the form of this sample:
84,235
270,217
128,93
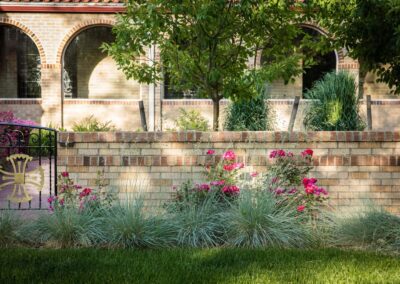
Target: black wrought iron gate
28,166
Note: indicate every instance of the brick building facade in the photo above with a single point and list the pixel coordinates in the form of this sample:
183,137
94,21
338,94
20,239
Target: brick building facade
52,71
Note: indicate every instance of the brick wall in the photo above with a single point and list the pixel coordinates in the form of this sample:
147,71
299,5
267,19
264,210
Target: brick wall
354,166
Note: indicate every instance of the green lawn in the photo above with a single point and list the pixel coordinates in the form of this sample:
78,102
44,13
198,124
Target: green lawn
196,266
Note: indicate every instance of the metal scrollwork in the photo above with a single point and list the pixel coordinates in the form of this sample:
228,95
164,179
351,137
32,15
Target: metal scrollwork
20,179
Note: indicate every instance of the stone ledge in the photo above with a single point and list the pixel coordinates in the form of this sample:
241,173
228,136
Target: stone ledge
242,136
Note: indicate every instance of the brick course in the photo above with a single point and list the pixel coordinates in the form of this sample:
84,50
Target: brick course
152,162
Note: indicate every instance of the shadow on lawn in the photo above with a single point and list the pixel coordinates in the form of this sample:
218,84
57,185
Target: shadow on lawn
196,266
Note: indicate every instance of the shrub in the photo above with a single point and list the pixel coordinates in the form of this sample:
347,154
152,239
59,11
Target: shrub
9,229
191,120
72,195
128,225
17,134
249,115
92,124
256,220
374,228
221,180
287,179
335,105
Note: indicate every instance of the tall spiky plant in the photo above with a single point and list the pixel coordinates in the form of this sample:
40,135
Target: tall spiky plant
335,105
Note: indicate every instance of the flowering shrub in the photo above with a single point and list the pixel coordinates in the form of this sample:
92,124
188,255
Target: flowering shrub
72,195
287,178
16,132
221,180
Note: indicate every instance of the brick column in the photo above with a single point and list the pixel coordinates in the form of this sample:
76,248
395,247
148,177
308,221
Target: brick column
51,94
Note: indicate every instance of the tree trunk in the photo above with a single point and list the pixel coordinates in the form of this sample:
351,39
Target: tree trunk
362,73
216,114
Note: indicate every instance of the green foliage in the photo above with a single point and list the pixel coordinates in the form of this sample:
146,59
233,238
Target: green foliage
249,115
205,45
371,37
9,229
191,120
66,228
92,124
335,105
222,265
374,228
129,225
199,225
258,221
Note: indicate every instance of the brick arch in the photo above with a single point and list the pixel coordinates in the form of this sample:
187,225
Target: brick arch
28,32
323,31
77,29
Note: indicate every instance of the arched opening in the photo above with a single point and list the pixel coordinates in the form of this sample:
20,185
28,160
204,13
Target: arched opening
323,63
88,72
20,70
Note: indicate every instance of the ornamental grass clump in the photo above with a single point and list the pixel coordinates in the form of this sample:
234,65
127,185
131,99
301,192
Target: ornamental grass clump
67,227
10,225
257,220
335,105
199,225
129,225
373,229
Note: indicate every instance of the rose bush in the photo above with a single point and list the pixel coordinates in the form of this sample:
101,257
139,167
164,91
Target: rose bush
287,178
221,180
74,196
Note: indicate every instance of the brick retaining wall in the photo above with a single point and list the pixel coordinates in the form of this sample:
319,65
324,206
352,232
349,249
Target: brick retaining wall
354,166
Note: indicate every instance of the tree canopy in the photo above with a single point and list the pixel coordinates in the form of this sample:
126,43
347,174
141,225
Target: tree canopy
370,31
211,47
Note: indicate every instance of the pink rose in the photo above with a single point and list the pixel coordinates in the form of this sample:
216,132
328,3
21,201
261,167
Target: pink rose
300,208
231,189
309,181
50,199
229,155
307,152
210,152
277,153
65,174
254,174
310,189
203,187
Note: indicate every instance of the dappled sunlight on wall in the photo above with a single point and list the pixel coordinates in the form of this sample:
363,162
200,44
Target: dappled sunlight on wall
107,82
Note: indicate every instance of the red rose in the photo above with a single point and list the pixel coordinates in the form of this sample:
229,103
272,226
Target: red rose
65,174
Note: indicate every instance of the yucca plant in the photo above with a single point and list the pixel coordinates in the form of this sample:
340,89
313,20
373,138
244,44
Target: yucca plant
129,225
9,228
67,227
335,105
199,224
374,228
257,220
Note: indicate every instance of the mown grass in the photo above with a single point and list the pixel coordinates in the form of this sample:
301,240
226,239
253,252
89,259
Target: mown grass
196,266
